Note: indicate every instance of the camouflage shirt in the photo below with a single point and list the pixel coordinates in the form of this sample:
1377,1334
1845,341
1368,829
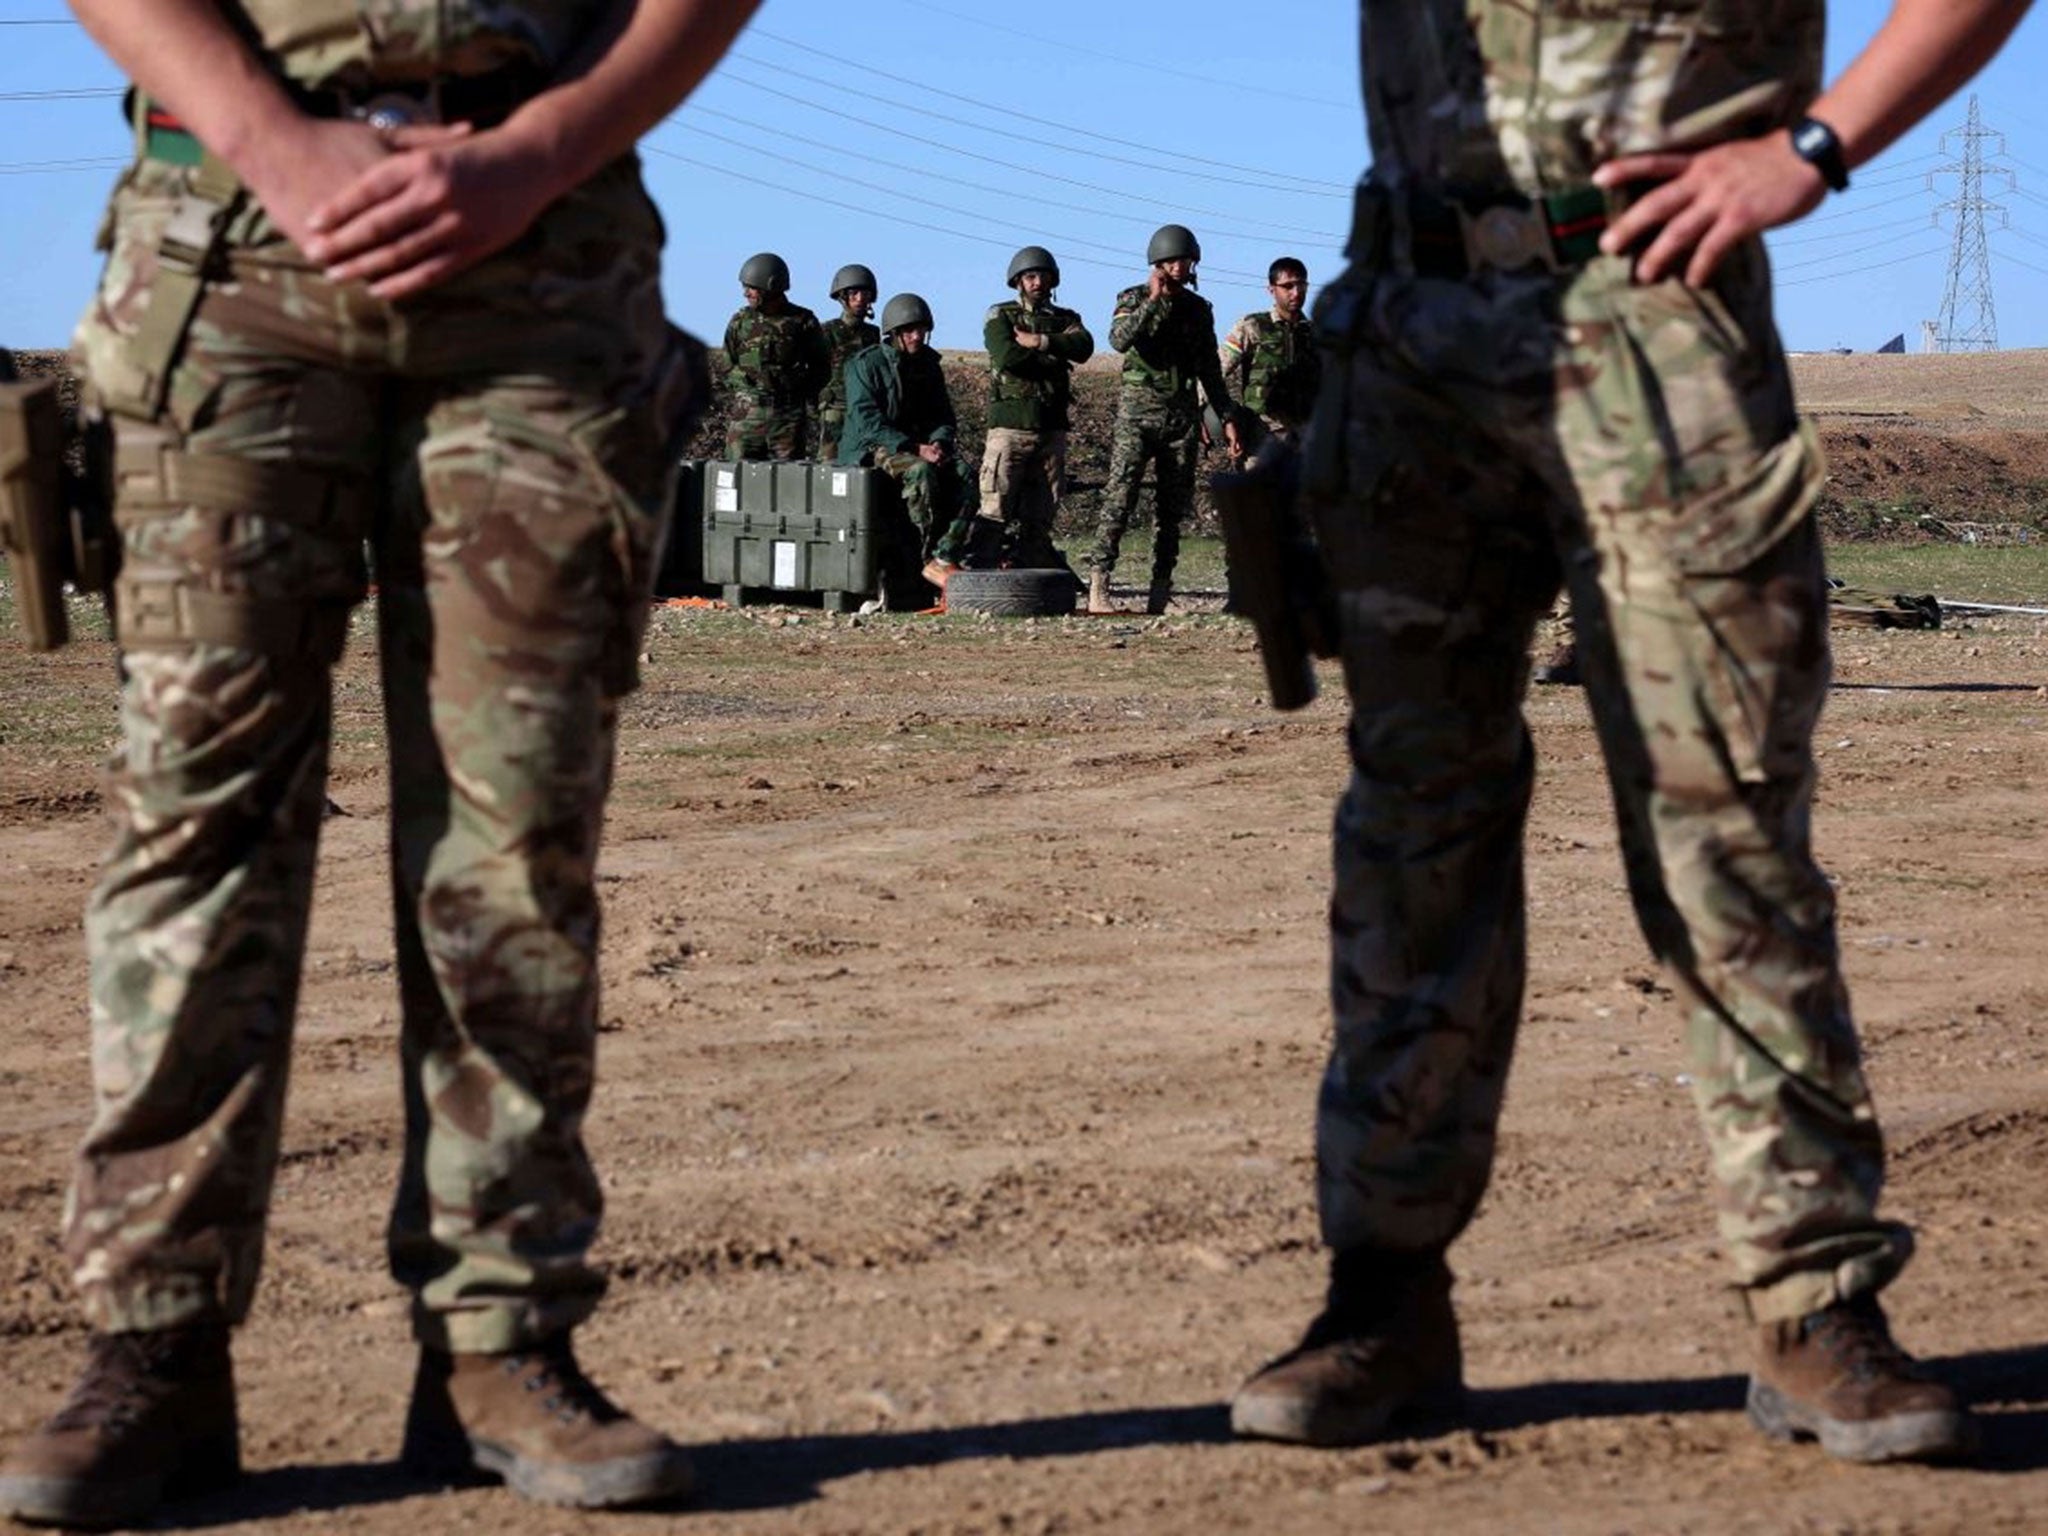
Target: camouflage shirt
1273,364
1169,346
1531,95
778,360
844,336
1031,389
345,42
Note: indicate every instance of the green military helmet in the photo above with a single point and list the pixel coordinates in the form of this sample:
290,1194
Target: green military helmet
905,309
767,272
1033,258
853,275
1171,242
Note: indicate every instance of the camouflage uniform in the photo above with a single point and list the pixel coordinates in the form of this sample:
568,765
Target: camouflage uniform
511,479
1272,363
778,366
1485,436
844,336
1169,347
896,400
1030,407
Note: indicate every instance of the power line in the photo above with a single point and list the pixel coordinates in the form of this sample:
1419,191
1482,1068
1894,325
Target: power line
2008,256
67,95
694,109
873,212
1821,261
927,89
43,167
1060,239
1008,165
1854,232
1317,190
1829,277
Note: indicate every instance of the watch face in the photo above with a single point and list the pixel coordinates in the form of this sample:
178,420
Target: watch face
1810,138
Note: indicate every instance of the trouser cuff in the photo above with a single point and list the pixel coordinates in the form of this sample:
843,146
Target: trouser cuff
497,1329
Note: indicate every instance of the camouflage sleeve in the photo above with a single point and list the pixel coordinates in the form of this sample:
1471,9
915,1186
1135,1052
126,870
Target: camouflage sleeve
819,362
1074,344
1213,384
1233,354
735,377
1137,315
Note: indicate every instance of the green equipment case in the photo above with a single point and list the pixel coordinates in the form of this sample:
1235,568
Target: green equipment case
786,528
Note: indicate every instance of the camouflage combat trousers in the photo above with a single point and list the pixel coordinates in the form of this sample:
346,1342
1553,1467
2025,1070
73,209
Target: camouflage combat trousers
509,465
1023,477
760,429
935,498
1171,450
830,425
1485,440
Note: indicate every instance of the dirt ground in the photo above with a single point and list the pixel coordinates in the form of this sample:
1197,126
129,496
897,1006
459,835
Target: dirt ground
964,1013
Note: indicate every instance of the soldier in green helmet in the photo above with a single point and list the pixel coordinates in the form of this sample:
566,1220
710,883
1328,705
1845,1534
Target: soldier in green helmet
1167,333
899,418
1269,358
778,364
1555,365
387,275
1033,347
848,332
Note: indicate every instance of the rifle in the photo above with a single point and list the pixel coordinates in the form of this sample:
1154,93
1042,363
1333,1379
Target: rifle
1276,573
56,525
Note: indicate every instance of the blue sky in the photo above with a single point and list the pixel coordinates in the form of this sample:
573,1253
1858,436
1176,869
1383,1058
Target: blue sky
930,138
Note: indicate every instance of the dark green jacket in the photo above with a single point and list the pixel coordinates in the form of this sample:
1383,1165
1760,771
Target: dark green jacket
894,401
1031,388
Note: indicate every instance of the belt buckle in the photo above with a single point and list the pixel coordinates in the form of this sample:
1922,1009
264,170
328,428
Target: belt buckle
389,110
1505,237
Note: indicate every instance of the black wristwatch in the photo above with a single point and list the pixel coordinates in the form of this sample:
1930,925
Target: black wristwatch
1814,142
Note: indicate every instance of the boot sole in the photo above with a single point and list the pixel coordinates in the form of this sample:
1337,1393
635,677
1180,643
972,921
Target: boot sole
101,1505
660,1478
1264,1416
1942,1434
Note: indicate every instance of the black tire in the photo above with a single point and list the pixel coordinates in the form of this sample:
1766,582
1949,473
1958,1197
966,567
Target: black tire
1043,592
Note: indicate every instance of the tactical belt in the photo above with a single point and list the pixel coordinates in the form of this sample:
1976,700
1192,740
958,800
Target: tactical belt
1435,235
485,100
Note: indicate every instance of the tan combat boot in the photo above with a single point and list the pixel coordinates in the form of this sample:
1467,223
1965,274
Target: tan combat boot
534,1419
1384,1353
1836,1376
1098,592
152,1417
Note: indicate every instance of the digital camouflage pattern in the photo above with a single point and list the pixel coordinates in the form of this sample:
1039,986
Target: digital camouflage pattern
1169,348
778,366
513,523
328,43
844,336
1639,443
1271,364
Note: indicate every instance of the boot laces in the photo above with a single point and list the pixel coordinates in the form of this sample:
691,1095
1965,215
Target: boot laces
114,1391
567,1394
1855,1335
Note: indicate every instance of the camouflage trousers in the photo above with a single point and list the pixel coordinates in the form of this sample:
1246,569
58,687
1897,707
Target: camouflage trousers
1023,477
761,429
1482,442
831,423
1171,450
509,466
935,497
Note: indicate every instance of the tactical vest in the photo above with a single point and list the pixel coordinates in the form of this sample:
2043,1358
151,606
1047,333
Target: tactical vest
1168,364
324,43
1034,404
1281,368
770,355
